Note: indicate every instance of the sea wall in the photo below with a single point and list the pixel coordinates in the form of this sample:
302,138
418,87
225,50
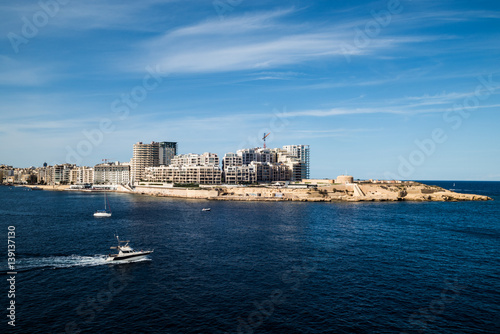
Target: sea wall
176,192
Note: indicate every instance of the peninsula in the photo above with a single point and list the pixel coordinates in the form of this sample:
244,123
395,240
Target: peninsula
315,191
349,192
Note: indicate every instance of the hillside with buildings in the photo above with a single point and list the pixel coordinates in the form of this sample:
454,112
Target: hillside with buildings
159,162
251,174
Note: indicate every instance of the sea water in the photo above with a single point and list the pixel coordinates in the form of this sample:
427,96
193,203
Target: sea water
253,267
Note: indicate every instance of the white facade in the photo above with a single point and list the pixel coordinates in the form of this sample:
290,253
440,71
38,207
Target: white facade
184,174
263,163
192,159
231,159
112,173
188,168
256,154
301,154
240,174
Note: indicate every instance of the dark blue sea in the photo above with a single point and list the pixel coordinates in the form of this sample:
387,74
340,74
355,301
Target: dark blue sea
253,267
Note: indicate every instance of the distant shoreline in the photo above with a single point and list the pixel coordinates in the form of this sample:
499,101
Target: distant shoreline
355,192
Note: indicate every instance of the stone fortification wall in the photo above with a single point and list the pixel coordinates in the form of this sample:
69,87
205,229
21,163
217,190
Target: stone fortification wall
176,192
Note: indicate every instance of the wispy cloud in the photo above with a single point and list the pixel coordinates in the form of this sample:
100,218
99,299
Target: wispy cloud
19,73
333,133
339,112
254,42
85,15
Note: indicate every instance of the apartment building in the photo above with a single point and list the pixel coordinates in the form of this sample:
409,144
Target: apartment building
300,154
187,168
268,165
151,155
240,174
61,174
112,173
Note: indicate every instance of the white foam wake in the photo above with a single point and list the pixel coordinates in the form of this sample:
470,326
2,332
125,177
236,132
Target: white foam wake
55,262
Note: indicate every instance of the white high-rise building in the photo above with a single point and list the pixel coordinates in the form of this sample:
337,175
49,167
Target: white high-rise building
301,153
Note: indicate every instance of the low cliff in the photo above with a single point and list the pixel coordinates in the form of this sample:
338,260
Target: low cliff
406,191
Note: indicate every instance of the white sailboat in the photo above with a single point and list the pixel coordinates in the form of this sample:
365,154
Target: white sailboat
105,212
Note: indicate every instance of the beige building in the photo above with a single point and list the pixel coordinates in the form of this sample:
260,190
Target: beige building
345,179
61,174
240,174
271,172
184,174
232,159
187,168
150,155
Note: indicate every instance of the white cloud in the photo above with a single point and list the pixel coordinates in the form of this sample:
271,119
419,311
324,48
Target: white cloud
254,42
83,15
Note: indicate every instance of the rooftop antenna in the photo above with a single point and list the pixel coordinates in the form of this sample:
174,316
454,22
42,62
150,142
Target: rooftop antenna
264,138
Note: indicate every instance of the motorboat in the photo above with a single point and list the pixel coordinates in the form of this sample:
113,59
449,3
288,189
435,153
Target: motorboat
205,209
106,212
126,253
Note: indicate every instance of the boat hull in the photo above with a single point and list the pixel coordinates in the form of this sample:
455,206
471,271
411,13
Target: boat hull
102,214
129,257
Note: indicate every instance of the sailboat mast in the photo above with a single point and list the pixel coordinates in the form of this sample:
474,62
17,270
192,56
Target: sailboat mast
106,199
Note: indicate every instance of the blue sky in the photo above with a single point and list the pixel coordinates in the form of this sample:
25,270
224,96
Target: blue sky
379,89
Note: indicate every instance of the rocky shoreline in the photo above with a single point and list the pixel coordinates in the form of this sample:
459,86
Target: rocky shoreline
354,192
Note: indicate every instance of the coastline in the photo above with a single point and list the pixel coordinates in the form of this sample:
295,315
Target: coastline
354,192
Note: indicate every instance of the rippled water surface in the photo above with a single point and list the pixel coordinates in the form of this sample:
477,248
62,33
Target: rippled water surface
249,267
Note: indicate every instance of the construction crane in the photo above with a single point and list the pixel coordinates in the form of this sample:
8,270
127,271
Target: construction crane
264,138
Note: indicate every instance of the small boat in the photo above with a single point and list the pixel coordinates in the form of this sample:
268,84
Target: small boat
102,213
126,253
105,212
205,209
36,188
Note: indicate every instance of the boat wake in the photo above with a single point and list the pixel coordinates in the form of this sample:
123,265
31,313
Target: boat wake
58,262
62,261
